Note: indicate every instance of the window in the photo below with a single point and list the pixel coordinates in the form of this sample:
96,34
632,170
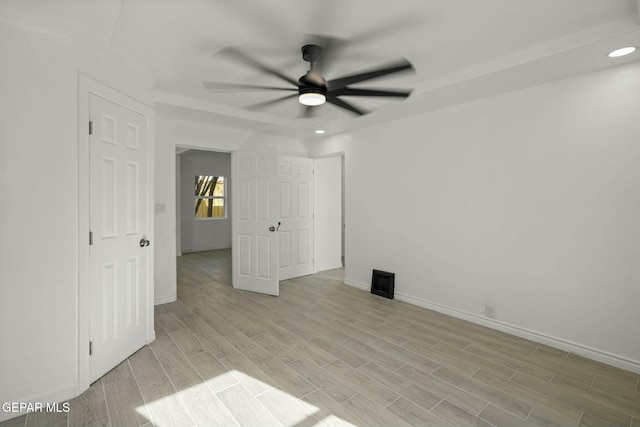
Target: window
210,197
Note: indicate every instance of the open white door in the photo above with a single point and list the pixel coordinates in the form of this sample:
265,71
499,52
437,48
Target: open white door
253,220
295,215
119,223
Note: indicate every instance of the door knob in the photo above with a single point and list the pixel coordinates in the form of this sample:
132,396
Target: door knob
273,228
144,242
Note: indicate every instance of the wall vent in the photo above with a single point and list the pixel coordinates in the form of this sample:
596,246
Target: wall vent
383,283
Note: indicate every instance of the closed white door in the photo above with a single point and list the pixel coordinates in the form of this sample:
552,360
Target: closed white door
254,222
119,250
295,216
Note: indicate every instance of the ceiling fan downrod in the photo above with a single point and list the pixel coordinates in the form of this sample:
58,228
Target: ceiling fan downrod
312,53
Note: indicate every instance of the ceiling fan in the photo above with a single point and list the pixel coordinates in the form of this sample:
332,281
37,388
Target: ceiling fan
312,89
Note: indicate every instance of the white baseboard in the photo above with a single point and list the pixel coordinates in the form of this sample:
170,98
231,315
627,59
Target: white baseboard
56,396
559,343
357,285
208,248
325,267
165,300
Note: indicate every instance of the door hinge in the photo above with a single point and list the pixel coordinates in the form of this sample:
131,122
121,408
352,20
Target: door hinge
90,348
90,127
90,238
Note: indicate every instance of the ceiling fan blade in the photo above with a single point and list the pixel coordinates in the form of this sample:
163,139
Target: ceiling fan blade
397,67
243,57
390,27
347,91
346,105
261,105
233,87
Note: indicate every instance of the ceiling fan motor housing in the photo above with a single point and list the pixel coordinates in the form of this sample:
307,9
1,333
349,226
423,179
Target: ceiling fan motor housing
312,87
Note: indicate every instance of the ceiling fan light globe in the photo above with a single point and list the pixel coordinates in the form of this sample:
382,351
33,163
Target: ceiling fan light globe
312,99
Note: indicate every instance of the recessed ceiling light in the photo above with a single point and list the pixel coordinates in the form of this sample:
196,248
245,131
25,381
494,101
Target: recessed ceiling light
319,131
622,52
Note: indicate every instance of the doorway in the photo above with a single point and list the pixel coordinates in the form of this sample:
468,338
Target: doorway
203,200
185,180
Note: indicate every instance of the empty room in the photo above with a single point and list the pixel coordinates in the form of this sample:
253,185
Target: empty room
319,213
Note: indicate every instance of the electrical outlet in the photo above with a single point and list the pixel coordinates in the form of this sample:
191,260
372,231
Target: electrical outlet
490,311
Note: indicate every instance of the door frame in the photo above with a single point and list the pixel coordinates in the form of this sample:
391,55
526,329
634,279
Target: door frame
341,155
87,86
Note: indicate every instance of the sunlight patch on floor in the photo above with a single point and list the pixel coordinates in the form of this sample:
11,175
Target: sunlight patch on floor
244,397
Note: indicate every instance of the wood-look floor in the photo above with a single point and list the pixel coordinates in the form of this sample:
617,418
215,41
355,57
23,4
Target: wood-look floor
325,354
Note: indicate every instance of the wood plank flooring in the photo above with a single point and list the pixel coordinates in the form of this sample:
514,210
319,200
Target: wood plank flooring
325,354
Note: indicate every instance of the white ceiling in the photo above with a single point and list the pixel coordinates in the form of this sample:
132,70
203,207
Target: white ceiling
461,49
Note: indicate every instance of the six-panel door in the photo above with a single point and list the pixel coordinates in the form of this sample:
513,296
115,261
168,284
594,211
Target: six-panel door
118,222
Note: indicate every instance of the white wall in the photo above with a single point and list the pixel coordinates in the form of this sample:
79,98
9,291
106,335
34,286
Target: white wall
327,251
199,234
39,202
527,202
38,215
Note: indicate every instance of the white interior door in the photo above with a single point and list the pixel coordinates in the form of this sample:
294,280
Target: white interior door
254,221
295,215
119,253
